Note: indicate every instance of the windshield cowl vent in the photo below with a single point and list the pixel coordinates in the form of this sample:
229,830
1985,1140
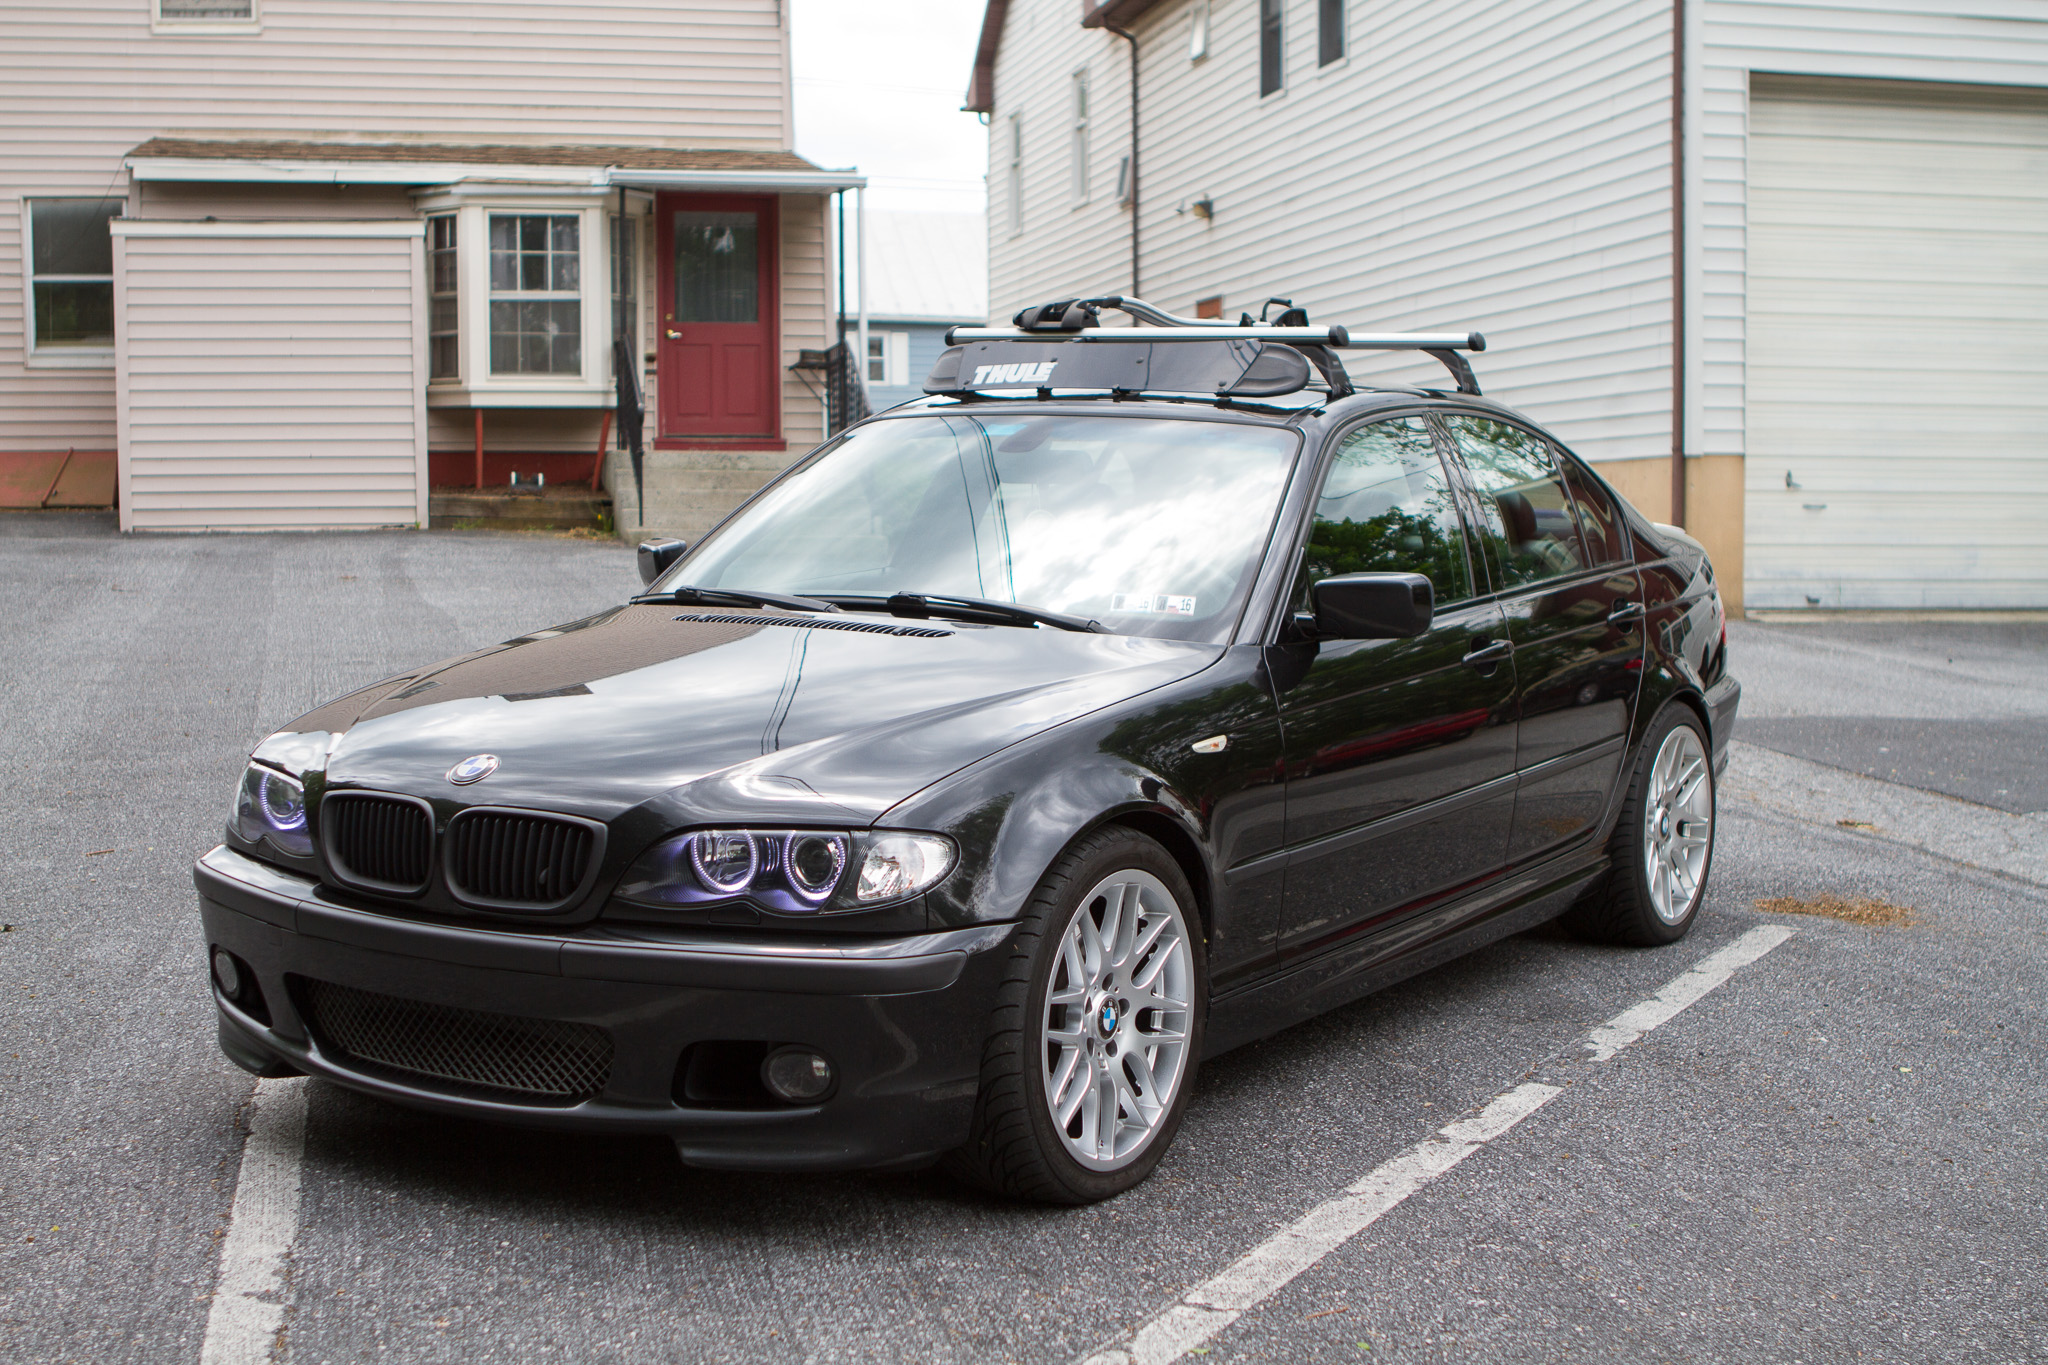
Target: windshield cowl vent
864,627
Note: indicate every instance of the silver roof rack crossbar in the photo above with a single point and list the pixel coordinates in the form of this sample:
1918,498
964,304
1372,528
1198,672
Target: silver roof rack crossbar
1079,320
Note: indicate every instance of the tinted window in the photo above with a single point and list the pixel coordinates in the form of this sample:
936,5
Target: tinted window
1528,525
1599,519
1386,507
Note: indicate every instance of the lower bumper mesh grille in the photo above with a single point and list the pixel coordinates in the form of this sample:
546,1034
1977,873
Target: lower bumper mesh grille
550,1061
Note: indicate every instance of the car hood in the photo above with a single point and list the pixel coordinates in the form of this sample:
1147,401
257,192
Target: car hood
821,717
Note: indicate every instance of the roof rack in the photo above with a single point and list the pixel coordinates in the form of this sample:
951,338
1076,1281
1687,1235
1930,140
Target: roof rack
1080,320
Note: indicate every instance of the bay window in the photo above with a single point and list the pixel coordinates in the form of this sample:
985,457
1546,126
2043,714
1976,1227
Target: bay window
525,291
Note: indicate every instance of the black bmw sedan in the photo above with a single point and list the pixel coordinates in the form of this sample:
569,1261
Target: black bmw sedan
1011,753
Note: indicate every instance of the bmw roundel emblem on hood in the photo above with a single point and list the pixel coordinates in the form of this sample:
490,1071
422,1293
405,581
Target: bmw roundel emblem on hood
475,768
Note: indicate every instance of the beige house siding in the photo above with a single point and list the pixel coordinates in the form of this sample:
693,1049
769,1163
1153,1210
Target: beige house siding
271,376
83,82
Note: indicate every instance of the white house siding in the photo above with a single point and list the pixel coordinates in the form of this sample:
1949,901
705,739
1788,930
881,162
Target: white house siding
84,81
1468,165
272,376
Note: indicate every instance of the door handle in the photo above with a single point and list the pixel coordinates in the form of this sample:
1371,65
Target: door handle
1485,653
1624,612
674,335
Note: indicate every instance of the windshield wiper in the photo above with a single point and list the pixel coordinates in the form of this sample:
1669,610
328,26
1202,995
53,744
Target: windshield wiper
736,597
921,605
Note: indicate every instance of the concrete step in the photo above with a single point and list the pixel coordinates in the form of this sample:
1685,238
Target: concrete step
557,509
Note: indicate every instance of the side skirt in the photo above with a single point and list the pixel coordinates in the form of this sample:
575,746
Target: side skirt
1352,971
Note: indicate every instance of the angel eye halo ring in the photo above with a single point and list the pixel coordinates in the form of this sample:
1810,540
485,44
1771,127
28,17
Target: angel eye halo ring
786,871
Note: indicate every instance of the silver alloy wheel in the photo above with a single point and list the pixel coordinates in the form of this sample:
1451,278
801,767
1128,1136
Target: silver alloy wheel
1115,1031
1678,824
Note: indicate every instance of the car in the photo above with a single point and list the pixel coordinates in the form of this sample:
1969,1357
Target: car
1139,692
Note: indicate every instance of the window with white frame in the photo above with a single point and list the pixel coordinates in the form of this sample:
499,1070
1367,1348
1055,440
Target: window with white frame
444,312
1016,176
71,278
1198,30
536,314
1079,142
889,358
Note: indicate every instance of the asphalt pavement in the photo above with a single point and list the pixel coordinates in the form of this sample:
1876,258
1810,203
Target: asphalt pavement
1837,1153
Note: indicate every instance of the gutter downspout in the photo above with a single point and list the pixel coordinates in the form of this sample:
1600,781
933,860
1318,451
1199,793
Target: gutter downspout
1128,37
1678,263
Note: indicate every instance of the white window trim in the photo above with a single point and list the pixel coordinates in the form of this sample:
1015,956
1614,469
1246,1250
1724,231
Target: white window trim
1198,30
895,358
591,387
204,27
49,357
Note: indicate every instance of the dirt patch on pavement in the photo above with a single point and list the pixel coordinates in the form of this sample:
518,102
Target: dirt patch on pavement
1865,910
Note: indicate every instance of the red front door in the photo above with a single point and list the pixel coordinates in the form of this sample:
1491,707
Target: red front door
717,371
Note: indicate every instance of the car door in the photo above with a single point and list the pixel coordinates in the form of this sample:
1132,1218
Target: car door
1399,754
1574,610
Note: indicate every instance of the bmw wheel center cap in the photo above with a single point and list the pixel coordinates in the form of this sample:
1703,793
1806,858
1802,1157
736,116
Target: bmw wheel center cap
475,768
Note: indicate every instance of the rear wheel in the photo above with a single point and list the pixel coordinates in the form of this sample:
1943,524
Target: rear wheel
1096,1029
1663,843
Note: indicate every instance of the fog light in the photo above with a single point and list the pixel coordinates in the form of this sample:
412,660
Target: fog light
797,1075
227,974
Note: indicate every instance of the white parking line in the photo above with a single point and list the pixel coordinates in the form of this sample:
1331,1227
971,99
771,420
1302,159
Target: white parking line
1217,1302
249,1298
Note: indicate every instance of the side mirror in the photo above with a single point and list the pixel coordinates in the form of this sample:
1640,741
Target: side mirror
657,555
1373,606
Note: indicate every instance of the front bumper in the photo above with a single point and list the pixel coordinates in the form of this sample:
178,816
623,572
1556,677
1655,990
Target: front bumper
902,1018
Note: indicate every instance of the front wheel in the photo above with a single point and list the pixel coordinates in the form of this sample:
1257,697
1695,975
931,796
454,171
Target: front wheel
1663,843
1096,1029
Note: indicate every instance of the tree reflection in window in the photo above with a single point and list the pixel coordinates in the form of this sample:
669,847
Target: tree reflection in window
1386,508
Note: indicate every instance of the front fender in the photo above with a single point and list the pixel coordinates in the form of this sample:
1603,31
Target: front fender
1154,761
1014,820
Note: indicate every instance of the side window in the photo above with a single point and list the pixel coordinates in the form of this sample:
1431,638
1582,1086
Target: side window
1386,507
1599,519
1528,528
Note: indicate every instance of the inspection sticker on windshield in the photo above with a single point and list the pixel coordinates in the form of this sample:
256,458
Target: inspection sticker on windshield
1157,603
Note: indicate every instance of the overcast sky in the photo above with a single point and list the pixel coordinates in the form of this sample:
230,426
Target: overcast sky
879,85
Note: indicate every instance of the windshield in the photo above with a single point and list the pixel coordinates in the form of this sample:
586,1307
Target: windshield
1150,526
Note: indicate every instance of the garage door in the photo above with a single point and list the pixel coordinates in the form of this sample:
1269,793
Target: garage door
1897,366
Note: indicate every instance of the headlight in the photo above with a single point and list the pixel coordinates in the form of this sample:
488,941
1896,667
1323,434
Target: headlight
899,865
272,806
789,871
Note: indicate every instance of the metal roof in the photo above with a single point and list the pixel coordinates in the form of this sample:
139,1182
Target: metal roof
927,267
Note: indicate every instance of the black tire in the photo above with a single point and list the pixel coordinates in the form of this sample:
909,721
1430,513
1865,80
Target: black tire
1624,905
1015,1147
